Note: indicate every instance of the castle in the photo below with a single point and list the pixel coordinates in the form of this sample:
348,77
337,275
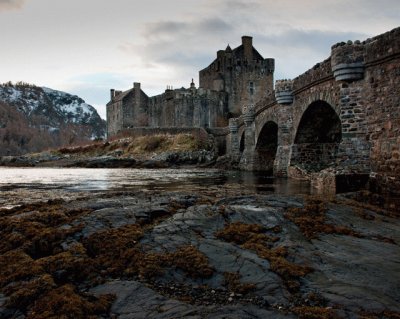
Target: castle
235,79
337,124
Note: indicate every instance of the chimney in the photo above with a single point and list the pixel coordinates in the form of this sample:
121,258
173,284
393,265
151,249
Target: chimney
112,94
247,43
136,85
137,92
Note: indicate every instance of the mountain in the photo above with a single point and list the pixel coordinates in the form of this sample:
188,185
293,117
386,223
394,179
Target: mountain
36,118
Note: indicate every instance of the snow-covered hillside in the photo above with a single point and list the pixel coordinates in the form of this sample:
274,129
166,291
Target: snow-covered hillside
54,108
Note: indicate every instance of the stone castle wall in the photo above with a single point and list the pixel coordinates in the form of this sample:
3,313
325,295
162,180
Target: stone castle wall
188,108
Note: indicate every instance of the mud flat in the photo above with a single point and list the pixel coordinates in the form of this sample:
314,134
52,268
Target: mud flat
218,252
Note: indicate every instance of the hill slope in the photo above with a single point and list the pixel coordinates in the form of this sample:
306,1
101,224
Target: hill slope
34,118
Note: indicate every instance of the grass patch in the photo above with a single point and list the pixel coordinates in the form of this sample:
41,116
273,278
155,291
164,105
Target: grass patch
140,145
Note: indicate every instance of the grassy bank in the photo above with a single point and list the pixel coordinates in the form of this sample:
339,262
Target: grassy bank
140,146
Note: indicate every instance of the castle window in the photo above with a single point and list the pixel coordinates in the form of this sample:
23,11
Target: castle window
251,88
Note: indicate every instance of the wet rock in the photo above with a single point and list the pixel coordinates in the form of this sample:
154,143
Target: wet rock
186,157
355,271
134,300
103,162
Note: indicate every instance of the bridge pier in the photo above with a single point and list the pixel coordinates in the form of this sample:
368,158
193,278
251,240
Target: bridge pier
247,161
282,159
234,140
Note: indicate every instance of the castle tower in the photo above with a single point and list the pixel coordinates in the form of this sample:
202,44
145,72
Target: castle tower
247,43
242,73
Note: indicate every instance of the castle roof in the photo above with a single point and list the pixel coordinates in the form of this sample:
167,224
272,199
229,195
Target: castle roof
122,95
239,52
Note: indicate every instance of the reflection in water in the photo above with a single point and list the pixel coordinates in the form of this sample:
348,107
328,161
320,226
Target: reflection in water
73,180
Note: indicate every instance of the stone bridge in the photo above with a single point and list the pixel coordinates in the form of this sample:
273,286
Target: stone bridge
339,119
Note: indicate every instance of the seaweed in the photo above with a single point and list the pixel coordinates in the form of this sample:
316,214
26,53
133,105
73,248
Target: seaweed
252,237
312,221
309,312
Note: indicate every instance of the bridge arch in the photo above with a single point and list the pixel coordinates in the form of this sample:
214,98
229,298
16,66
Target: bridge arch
317,137
266,146
242,142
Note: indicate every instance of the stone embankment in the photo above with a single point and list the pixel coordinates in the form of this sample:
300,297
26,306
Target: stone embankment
212,254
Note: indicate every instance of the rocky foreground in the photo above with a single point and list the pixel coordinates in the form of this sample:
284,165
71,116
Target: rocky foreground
203,255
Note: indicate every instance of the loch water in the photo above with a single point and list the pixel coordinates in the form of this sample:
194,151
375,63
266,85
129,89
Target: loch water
22,185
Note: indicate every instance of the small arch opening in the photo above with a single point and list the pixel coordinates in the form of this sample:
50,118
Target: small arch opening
242,142
266,147
317,139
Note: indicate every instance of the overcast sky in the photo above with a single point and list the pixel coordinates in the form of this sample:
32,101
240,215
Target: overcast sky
86,47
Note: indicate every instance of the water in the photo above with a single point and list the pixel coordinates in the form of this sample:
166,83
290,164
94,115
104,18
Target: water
20,185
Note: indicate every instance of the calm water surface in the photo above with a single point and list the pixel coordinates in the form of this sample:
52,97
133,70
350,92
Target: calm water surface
26,182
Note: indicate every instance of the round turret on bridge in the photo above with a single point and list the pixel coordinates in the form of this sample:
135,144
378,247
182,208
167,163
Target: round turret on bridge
347,61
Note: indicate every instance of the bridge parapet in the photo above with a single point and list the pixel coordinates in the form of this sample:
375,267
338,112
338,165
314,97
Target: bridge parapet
382,46
347,60
318,73
284,91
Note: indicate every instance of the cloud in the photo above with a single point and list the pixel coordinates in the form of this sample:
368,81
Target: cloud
297,50
187,46
180,44
11,4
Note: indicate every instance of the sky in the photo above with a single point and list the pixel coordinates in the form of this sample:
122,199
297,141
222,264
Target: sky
87,47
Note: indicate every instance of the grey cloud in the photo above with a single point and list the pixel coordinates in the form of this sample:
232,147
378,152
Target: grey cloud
213,25
313,40
11,4
173,28
189,45
231,5
296,51
164,28
180,44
